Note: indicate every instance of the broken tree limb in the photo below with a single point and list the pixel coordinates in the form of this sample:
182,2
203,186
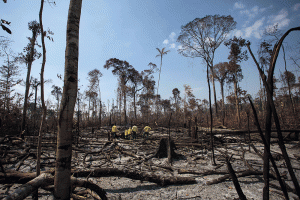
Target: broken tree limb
86,184
235,180
243,174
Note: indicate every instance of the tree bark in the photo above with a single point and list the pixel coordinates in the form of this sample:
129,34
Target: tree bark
62,185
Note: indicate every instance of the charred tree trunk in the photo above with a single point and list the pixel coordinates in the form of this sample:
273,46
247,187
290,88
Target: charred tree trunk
269,87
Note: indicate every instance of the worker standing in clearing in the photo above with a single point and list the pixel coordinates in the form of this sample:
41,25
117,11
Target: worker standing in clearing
134,131
146,131
114,131
126,134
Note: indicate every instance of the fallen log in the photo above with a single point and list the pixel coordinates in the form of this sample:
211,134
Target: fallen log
243,174
136,175
47,179
16,177
25,190
21,178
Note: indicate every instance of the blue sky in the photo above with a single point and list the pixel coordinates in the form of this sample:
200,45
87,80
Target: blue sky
131,30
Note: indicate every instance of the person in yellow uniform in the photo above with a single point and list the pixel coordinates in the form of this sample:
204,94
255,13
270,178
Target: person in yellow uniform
126,134
146,131
114,131
129,132
134,131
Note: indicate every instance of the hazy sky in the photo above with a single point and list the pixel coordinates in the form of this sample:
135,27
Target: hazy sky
131,30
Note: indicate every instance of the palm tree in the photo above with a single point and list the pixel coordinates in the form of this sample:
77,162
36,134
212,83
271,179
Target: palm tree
162,52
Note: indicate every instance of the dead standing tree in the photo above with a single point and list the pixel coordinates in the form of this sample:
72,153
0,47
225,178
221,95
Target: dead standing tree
94,87
62,180
125,71
271,110
234,69
201,38
31,55
220,72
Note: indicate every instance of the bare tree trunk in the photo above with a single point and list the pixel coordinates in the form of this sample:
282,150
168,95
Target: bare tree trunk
288,82
211,120
62,183
125,115
223,105
39,150
100,114
237,102
29,63
214,89
134,96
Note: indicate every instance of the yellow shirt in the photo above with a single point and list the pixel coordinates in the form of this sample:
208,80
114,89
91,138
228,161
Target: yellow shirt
147,129
129,131
114,129
126,132
135,129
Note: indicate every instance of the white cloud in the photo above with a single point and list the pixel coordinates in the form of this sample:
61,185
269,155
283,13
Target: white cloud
296,6
238,33
239,5
172,36
171,39
280,19
253,12
173,46
255,29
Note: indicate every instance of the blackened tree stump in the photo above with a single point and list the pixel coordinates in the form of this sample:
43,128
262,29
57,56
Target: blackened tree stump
162,151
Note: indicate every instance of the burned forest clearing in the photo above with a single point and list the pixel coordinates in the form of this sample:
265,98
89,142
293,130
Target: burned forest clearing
216,117
138,169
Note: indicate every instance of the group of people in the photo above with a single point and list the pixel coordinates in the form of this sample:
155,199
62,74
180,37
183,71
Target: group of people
130,132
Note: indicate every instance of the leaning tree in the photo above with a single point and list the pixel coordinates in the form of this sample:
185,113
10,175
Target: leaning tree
200,38
271,111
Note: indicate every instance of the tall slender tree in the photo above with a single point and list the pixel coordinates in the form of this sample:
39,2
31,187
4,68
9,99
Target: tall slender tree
31,55
235,57
124,71
62,179
160,54
201,38
136,81
220,73
39,148
94,87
